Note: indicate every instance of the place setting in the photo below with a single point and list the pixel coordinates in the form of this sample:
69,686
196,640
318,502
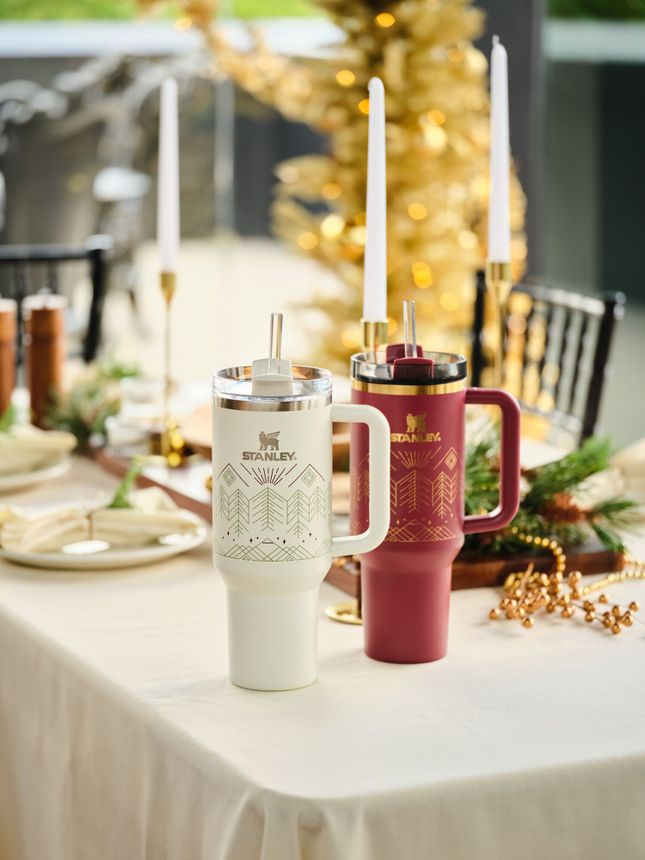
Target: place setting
135,527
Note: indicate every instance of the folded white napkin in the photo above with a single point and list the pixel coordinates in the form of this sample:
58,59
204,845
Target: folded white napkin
153,516
630,462
26,448
624,477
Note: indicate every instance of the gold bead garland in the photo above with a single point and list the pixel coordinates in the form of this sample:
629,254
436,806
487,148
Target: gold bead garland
527,592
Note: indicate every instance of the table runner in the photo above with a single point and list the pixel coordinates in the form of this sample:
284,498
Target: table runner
121,737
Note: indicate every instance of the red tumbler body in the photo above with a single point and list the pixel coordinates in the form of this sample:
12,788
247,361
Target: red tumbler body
406,580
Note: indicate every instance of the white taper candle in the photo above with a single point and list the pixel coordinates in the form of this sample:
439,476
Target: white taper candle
375,269
499,229
168,178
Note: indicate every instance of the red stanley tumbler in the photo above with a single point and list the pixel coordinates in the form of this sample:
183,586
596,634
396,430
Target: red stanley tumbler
406,580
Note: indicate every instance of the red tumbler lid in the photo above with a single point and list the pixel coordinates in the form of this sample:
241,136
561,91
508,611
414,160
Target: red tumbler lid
427,368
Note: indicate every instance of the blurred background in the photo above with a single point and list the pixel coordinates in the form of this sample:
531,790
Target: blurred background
79,108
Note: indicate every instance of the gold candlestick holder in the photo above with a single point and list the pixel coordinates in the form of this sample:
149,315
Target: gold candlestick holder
499,284
347,612
375,335
171,442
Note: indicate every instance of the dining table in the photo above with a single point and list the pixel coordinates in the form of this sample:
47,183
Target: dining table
122,738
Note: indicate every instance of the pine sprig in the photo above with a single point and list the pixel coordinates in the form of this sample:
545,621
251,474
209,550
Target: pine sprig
121,498
563,475
86,407
8,418
547,508
481,478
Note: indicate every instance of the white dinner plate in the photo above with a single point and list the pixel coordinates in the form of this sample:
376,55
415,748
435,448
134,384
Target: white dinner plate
22,480
110,559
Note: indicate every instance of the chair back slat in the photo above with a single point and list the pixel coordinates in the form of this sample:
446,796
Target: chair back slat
37,267
556,352
578,372
51,282
477,346
526,357
549,317
614,310
561,351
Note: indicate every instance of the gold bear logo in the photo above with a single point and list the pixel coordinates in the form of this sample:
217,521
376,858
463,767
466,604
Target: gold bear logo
269,441
416,423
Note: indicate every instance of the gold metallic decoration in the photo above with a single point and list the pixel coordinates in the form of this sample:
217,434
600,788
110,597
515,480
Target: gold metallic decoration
168,281
347,612
436,85
529,592
375,335
395,388
499,282
171,442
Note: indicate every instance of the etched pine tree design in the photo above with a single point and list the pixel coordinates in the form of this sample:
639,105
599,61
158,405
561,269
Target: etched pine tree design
298,513
268,508
444,491
221,503
238,512
363,485
412,492
318,504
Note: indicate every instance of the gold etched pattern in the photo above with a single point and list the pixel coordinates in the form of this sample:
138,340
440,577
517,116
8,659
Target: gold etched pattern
424,488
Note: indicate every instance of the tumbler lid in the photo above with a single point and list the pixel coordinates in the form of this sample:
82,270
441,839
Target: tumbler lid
272,639
233,388
436,368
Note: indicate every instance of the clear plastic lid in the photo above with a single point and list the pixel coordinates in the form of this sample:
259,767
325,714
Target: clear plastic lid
429,368
310,385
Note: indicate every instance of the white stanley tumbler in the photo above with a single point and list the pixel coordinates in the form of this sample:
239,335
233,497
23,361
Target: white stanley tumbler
272,467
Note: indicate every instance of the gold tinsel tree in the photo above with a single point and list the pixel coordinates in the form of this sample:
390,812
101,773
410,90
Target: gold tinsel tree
437,157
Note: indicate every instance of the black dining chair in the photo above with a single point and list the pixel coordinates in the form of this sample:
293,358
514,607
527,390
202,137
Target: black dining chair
556,352
37,268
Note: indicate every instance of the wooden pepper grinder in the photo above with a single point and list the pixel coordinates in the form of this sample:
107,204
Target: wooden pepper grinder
7,352
44,317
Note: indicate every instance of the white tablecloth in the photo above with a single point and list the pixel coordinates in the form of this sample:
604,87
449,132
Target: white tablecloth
121,737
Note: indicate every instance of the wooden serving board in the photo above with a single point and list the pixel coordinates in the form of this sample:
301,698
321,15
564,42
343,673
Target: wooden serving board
473,572
187,487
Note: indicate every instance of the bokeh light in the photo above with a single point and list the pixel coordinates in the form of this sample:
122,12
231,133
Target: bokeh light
307,240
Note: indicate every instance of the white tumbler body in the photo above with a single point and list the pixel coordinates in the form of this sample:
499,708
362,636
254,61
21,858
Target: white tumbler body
272,538
272,543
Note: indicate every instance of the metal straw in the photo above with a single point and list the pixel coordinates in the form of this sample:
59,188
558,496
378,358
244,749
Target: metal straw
410,329
275,341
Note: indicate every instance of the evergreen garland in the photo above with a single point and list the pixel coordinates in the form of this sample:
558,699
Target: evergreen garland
548,508
94,397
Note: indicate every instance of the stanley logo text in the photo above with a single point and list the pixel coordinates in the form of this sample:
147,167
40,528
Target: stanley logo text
269,449
415,431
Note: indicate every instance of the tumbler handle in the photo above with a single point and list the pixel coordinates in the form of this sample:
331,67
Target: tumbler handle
379,478
509,476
